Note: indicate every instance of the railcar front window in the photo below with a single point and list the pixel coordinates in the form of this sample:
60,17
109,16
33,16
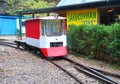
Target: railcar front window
54,27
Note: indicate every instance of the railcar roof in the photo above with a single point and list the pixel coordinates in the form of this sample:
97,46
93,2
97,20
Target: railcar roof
52,17
48,18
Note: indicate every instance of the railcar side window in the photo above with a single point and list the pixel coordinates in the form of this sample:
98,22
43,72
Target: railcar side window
52,27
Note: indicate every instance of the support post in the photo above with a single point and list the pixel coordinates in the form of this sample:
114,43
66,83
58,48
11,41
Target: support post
48,14
33,16
20,26
98,15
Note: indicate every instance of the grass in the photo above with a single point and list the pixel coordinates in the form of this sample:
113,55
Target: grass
75,54
90,57
116,66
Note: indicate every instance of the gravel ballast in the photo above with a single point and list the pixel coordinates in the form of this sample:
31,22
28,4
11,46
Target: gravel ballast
23,67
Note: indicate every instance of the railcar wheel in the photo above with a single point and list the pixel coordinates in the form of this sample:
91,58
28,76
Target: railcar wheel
35,50
24,46
18,45
50,58
41,54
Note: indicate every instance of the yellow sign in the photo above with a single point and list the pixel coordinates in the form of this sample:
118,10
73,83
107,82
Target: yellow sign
78,17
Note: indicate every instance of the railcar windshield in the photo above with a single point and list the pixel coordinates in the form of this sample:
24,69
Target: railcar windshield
53,27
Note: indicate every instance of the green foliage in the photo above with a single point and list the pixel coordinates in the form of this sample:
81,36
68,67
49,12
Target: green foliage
13,6
32,4
2,6
97,41
114,46
18,5
116,66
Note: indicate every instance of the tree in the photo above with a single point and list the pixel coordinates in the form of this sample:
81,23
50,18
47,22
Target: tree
2,6
13,6
18,5
56,1
36,4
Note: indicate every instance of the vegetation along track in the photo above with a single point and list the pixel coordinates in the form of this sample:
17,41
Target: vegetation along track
72,66
74,69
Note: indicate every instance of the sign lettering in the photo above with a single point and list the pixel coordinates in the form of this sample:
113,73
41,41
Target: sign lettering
78,17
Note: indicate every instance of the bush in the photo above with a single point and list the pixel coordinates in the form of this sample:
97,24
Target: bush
99,41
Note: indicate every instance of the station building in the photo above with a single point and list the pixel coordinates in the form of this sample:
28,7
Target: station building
90,11
83,11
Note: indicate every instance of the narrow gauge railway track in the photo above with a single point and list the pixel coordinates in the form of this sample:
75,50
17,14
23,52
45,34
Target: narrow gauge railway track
96,71
86,70
6,42
107,73
97,74
9,44
68,72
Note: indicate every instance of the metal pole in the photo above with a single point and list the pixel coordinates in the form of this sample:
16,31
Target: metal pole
20,26
48,14
33,16
99,16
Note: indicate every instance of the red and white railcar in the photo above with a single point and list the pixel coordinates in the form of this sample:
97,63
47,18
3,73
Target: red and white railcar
48,34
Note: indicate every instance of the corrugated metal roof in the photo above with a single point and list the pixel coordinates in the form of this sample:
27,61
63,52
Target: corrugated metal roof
73,2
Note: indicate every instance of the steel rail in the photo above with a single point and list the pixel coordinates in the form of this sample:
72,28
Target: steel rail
9,45
92,71
102,75
107,73
104,72
68,72
7,42
102,79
